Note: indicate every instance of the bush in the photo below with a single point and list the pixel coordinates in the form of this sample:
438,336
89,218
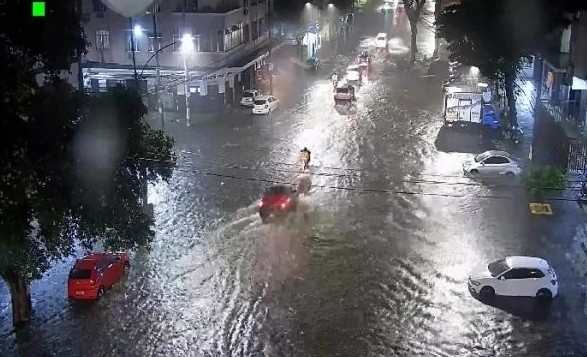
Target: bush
544,179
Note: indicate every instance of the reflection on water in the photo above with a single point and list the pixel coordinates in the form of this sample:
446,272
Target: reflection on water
372,263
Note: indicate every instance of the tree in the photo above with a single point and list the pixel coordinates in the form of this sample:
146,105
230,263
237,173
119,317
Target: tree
61,181
497,36
413,10
437,12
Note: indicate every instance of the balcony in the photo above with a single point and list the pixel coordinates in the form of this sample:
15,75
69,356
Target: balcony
220,9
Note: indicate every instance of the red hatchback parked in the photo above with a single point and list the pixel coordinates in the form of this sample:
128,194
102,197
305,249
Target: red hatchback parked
95,273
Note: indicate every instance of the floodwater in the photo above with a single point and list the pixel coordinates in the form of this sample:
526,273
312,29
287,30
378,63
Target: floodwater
379,267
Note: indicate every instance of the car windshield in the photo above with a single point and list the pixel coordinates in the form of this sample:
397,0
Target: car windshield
498,267
481,157
248,94
260,102
381,38
277,190
80,274
342,90
353,69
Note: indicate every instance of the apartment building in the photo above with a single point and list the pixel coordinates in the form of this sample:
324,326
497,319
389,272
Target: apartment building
563,75
229,42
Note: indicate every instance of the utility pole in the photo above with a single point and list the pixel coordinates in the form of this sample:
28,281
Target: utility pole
158,68
80,73
270,18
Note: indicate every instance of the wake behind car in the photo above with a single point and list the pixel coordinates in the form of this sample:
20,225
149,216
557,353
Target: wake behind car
249,96
277,202
492,162
95,273
264,104
514,276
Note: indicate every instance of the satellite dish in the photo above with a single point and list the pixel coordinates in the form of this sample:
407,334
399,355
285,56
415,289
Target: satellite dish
128,8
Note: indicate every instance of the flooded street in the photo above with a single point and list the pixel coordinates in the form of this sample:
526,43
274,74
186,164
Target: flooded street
380,266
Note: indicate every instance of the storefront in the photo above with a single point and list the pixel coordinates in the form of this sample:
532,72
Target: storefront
312,41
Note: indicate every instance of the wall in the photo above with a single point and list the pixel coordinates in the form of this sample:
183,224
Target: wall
579,51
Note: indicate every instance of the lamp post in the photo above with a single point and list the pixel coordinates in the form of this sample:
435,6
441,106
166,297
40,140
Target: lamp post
187,47
270,13
133,31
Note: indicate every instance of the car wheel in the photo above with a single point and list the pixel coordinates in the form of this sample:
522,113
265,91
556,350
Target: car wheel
487,293
474,172
544,295
101,292
509,174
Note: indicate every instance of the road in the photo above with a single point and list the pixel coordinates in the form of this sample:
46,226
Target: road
380,268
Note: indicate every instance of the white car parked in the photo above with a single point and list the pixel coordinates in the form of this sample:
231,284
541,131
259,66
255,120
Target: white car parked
381,40
492,162
249,96
265,104
514,276
353,73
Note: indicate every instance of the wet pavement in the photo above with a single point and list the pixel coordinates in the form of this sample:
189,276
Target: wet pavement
379,269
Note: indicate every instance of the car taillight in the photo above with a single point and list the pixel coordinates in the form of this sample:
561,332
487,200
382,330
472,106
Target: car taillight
553,282
92,281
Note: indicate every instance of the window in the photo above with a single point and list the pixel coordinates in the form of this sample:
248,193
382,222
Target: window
129,41
98,6
154,42
154,8
245,3
535,274
246,34
176,40
502,160
492,160
254,30
103,39
261,26
233,37
207,42
498,267
80,274
191,5
517,274
220,40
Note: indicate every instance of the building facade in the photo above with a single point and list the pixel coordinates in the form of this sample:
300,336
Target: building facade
563,75
229,41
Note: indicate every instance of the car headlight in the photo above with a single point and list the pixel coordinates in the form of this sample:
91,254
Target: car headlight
474,282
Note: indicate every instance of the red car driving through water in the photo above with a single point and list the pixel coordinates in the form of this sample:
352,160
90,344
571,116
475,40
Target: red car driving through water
277,202
95,273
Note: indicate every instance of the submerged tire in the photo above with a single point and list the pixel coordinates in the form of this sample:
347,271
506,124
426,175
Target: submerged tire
544,296
487,293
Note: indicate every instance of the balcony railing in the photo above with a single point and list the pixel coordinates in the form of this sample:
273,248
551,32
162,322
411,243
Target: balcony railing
221,9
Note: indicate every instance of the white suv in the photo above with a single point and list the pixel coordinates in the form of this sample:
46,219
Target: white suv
514,276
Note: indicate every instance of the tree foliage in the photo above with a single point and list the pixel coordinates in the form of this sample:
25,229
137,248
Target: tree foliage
498,35
73,168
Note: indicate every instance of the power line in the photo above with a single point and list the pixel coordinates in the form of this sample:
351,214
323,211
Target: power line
397,179
361,189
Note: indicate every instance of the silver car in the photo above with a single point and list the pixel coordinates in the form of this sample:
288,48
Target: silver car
492,162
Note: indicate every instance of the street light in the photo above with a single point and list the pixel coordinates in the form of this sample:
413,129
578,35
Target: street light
186,48
137,30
